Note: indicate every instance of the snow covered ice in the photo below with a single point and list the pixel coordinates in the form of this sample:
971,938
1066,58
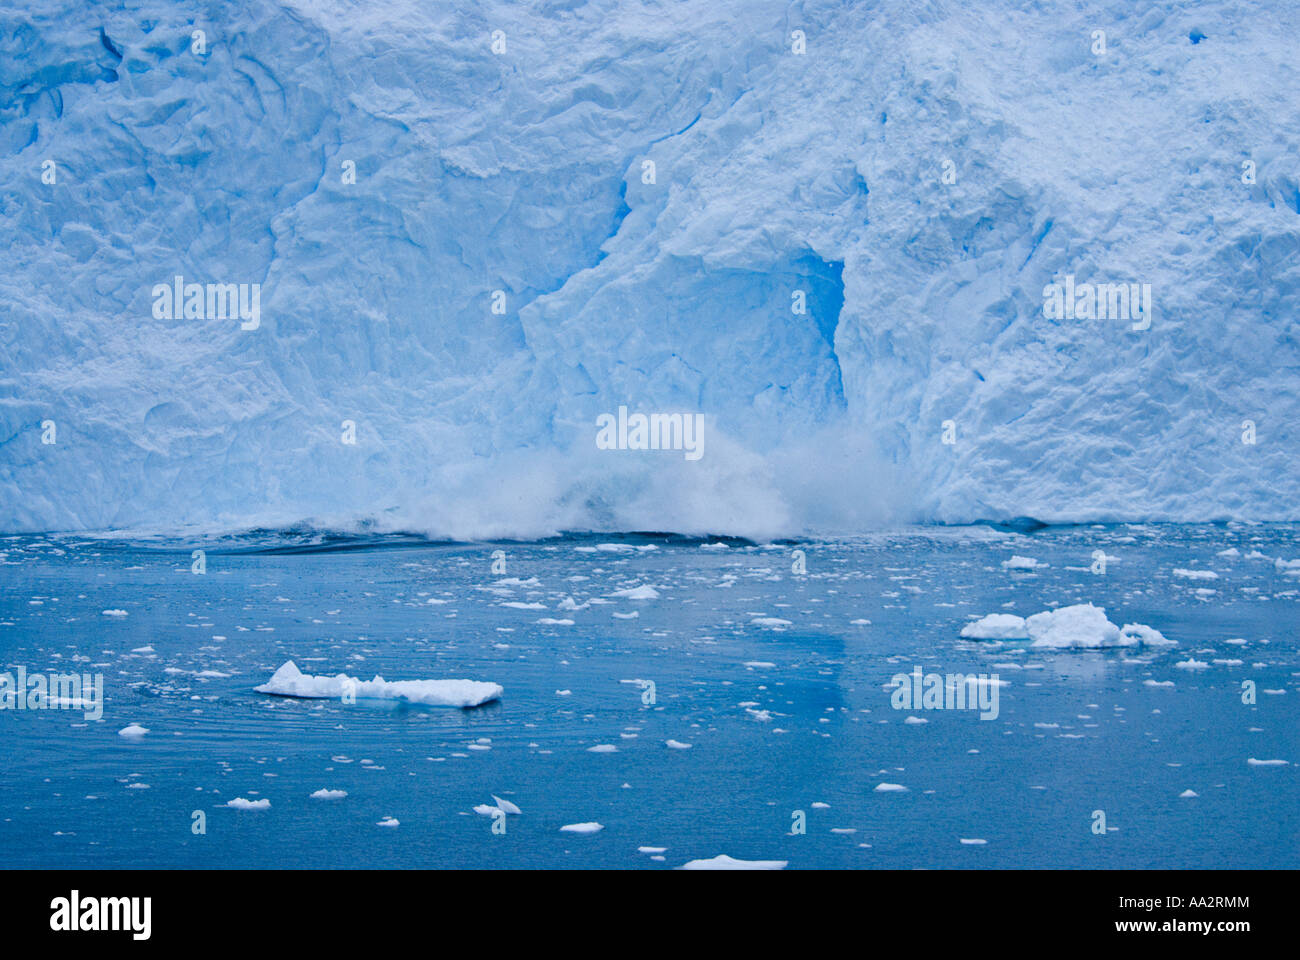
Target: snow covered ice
289,681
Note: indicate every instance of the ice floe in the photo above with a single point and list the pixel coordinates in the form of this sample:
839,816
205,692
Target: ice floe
289,681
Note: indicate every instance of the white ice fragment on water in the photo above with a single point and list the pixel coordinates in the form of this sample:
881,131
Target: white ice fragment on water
239,803
114,613
724,862
591,827
1019,563
564,693
1267,763
133,732
914,720
288,681
1079,625
677,745
1195,574
890,788
552,622
1192,664
860,623
603,748
1139,633
627,616
329,794
1157,683
506,806
972,841
651,849
1189,793
644,592
760,664
996,626
145,649
389,822
772,623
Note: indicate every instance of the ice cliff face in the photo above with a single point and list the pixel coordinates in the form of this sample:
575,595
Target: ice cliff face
469,254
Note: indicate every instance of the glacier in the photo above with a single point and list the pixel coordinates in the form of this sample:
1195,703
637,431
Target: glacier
477,227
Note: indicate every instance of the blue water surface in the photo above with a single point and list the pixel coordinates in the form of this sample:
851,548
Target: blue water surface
780,718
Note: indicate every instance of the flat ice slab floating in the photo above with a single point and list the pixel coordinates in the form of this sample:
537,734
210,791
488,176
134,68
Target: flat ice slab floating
289,681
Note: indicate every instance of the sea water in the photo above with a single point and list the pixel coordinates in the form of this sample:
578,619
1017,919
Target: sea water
770,667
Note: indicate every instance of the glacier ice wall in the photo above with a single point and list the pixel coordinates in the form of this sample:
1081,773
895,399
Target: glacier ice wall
524,170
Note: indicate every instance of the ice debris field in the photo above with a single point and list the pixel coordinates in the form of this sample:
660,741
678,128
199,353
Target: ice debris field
660,702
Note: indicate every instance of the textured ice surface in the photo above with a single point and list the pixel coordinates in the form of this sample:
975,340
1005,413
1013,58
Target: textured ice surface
289,681
523,172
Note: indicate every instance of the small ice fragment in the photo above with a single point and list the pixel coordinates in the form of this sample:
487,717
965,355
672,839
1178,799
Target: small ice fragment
239,803
724,862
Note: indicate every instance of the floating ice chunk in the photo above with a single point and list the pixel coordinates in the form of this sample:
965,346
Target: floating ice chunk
651,849
552,622
644,592
239,803
148,648
1157,683
1195,574
773,623
389,822
1189,793
1018,563
972,841
677,745
603,748
564,693
996,626
724,862
627,616
520,605
1140,633
133,732
114,613
1267,763
592,827
329,794
288,681
1230,552
915,720
860,623
1078,626
890,788
1192,664
760,664
506,806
